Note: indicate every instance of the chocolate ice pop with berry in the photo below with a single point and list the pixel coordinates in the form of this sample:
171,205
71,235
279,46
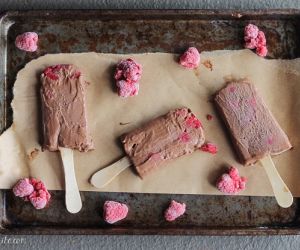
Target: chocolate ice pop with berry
63,109
163,139
254,131
64,121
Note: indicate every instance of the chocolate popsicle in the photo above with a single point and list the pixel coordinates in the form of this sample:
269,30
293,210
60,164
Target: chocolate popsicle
165,138
63,109
254,131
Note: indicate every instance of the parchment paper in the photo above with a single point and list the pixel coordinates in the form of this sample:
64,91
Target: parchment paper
164,85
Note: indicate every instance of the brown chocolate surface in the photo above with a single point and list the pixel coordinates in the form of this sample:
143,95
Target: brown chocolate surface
63,109
165,138
254,131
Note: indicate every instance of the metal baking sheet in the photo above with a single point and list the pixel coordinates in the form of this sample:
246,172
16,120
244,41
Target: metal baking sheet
128,31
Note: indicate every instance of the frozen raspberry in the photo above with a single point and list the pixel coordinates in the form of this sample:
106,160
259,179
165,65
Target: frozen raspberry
250,43
190,58
251,31
128,70
39,199
255,39
231,182
39,185
33,190
126,89
261,39
23,188
210,148
127,76
114,211
262,51
27,41
174,210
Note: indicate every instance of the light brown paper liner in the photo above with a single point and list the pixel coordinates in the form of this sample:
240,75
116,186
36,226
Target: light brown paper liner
164,85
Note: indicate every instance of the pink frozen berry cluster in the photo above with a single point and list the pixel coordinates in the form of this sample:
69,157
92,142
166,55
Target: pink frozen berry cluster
33,190
174,210
231,182
255,39
27,41
127,76
114,211
190,58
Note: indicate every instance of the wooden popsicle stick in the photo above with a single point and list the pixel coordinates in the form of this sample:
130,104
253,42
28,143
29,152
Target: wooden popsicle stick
282,194
73,199
105,175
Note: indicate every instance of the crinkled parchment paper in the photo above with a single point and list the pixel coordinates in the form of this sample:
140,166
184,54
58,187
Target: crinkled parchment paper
164,85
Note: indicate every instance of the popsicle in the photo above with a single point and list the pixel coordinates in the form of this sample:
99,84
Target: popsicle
254,131
64,121
63,109
165,138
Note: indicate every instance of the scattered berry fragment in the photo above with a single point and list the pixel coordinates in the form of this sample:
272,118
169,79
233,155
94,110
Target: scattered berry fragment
209,117
255,39
33,190
210,148
27,41
127,76
174,210
231,182
114,211
190,58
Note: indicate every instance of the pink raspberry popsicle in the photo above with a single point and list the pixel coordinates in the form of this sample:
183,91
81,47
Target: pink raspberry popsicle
231,182
114,211
190,59
175,210
27,41
127,76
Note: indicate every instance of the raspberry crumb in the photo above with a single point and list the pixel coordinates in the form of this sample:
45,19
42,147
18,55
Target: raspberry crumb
231,182
33,190
209,117
210,148
174,210
255,39
114,211
27,41
190,58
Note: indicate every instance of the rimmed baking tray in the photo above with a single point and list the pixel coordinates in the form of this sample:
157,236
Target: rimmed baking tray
135,31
